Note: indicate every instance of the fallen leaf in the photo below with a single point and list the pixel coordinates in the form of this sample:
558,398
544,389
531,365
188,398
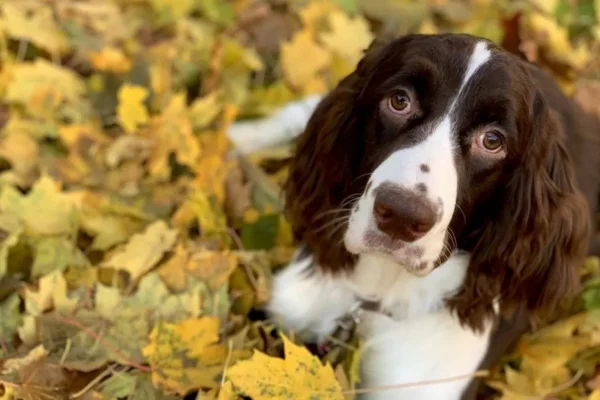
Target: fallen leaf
55,253
227,392
121,339
31,79
127,148
131,110
302,58
172,133
205,110
299,376
119,385
315,13
35,24
110,59
144,250
211,267
173,273
187,355
12,365
349,37
52,292
48,211
217,11
107,300
22,152
154,299
5,249
10,317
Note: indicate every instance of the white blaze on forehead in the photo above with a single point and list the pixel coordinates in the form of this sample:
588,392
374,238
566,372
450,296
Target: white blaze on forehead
481,54
404,168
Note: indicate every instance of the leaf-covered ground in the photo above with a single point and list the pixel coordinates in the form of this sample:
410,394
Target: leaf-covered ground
134,246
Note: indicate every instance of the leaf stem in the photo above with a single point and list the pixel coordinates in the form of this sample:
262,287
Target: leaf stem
101,340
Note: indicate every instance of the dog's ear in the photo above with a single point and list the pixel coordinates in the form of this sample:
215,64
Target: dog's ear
325,166
528,253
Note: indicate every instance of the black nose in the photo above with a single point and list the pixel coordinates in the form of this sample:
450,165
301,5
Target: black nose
403,214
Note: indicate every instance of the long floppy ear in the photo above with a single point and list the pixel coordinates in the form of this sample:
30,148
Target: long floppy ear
324,169
527,256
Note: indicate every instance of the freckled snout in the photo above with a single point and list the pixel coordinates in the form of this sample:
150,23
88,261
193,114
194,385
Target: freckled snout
403,214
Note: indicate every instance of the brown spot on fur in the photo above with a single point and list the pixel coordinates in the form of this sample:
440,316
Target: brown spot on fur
425,168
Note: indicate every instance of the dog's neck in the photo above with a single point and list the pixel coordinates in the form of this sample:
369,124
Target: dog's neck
306,300
401,294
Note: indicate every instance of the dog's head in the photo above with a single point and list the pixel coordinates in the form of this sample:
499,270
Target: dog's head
436,143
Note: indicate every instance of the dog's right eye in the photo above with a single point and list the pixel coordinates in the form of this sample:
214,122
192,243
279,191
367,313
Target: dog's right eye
489,143
399,102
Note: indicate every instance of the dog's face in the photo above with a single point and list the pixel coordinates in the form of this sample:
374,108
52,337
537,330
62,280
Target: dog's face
442,142
440,116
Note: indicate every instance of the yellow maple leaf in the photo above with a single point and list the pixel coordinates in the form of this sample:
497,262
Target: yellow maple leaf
299,376
48,211
349,37
52,292
595,395
34,23
161,81
110,59
144,250
187,355
173,272
172,133
212,267
131,110
22,151
302,58
28,80
204,110
315,12
227,393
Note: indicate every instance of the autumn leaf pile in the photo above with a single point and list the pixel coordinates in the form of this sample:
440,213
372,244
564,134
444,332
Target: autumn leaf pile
135,245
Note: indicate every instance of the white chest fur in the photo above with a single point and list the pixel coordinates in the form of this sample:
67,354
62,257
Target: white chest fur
422,342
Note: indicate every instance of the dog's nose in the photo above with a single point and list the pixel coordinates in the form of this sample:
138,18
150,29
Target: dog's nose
403,214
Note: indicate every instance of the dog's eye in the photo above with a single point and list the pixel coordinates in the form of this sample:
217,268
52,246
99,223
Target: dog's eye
490,141
399,102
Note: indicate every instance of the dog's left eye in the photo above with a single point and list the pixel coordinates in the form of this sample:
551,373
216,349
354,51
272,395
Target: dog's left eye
490,141
399,102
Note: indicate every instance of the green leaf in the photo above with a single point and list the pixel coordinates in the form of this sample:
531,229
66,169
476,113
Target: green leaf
217,11
10,317
261,234
5,248
81,350
591,298
146,391
55,253
119,385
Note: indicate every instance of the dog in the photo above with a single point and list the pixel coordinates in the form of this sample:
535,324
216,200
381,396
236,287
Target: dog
442,190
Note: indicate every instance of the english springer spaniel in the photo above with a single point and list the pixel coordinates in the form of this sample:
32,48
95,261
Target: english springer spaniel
438,188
